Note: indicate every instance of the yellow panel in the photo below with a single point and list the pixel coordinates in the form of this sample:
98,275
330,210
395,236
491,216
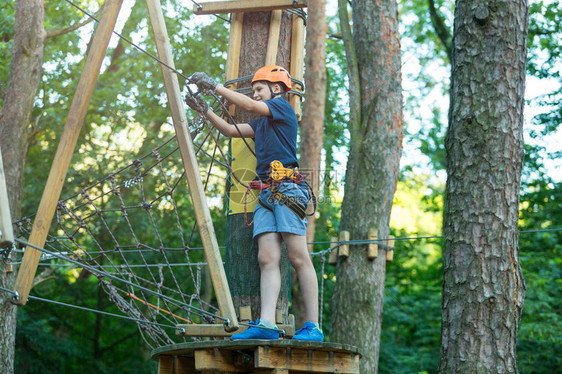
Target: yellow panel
244,166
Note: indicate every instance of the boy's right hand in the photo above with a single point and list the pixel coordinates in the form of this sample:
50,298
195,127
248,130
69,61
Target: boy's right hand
203,81
196,103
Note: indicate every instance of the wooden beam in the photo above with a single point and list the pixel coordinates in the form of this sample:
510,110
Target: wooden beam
202,214
273,39
214,359
297,62
233,6
217,330
306,360
176,365
6,229
65,149
232,66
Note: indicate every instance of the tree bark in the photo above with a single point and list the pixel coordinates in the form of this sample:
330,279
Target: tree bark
483,286
23,82
312,127
376,129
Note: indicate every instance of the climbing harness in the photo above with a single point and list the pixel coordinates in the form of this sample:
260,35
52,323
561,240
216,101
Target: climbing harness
279,174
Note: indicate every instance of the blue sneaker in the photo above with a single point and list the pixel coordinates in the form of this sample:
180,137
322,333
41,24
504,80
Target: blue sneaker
309,332
256,332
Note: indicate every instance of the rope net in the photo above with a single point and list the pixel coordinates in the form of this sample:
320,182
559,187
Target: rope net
135,230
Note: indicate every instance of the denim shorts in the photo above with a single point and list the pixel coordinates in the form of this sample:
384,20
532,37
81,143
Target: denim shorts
275,217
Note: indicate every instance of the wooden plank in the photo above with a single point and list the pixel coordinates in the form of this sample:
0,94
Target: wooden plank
187,348
6,229
214,359
176,365
233,6
165,365
373,250
202,214
390,252
333,259
184,365
65,149
273,39
309,360
297,62
344,248
217,330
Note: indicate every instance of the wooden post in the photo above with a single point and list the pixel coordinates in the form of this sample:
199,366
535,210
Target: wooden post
232,66
65,149
390,252
203,216
297,62
373,250
344,248
5,216
273,40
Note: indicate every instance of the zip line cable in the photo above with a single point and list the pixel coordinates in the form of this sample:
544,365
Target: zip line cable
119,315
141,321
317,253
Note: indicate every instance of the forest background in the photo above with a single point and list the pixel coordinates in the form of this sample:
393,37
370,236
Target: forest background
128,117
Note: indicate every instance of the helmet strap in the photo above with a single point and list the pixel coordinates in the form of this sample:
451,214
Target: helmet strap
273,95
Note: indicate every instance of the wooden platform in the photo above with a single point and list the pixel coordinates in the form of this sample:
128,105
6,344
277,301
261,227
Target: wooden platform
256,356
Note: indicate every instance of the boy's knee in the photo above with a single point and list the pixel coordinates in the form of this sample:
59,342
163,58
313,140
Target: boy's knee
298,260
268,258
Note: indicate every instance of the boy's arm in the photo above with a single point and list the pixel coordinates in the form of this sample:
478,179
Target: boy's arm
244,130
204,82
246,103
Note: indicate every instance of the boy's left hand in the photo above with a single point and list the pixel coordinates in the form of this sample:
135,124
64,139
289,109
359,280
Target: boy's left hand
203,81
197,103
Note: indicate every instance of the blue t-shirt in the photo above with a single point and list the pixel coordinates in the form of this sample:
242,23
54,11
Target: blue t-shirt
276,136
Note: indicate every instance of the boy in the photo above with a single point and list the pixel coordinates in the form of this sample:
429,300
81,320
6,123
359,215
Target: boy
275,134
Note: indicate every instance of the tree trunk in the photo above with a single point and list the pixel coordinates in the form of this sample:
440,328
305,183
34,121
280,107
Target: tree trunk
376,130
25,74
483,287
242,268
312,126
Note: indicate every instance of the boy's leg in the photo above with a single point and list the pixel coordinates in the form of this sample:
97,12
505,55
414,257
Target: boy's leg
301,261
269,244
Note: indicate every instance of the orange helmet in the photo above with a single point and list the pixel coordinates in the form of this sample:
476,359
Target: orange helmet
273,74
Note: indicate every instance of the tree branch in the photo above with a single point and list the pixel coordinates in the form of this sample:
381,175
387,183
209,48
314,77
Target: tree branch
66,30
441,29
353,69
